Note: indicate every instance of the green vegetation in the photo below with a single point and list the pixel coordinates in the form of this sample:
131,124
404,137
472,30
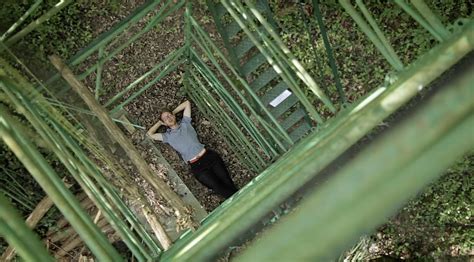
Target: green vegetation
23,191
64,33
439,222
360,64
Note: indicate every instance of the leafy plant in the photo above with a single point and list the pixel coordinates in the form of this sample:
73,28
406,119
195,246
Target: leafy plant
439,222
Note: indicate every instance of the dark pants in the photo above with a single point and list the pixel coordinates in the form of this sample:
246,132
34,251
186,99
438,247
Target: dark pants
212,173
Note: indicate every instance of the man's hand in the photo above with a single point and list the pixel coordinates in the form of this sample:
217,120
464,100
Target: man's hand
154,128
186,106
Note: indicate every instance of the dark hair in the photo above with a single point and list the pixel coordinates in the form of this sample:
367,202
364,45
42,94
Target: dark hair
164,111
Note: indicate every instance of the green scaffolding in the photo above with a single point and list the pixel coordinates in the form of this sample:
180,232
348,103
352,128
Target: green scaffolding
289,148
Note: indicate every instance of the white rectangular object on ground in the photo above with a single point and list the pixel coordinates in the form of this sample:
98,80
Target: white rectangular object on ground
280,98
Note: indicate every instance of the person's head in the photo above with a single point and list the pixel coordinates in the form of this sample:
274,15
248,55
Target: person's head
168,118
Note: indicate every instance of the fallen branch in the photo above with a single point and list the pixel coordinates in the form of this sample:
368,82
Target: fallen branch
73,243
85,203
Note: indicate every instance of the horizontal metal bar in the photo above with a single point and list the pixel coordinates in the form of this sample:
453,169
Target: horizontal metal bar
158,18
165,72
106,37
169,59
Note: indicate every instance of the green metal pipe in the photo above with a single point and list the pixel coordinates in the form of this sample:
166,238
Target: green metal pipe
378,32
236,108
86,170
91,147
268,190
370,33
293,62
56,190
242,116
34,24
133,221
239,78
187,28
74,167
224,95
231,136
312,42
98,77
243,142
431,18
106,37
413,13
15,190
273,58
208,105
49,137
22,19
168,68
219,23
247,123
15,231
13,194
169,59
120,227
156,19
77,170
206,109
88,112
329,52
213,104
273,132
376,183
105,185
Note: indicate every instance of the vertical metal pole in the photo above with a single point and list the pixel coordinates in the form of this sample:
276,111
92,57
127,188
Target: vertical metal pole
327,45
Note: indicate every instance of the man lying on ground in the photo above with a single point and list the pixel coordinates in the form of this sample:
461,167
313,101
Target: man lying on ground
206,165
